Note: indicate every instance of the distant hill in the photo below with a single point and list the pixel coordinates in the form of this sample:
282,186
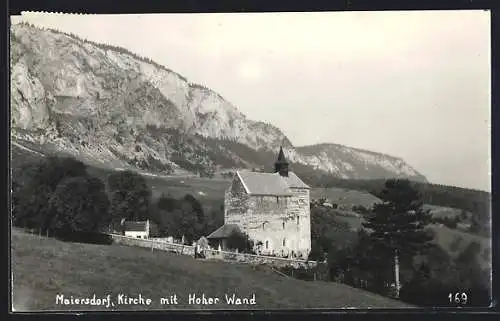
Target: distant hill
104,104
470,200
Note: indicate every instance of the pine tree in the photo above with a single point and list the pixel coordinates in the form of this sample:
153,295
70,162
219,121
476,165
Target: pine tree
398,224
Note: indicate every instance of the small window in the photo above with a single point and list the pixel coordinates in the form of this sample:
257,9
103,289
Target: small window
267,245
284,242
283,225
277,200
138,236
297,220
263,226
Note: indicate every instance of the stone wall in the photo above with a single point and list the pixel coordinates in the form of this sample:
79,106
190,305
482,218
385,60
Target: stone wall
270,222
257,259
300,206
282,224
235,202
211,254
155,244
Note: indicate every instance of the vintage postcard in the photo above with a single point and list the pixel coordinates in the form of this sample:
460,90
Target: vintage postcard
256,161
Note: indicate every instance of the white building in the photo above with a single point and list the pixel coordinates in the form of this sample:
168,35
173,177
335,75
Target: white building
137,229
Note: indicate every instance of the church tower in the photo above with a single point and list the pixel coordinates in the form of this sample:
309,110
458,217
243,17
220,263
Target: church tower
281,165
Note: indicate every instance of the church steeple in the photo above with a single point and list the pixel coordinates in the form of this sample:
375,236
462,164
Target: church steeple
281,165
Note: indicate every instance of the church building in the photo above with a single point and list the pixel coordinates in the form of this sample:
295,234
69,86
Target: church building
272,208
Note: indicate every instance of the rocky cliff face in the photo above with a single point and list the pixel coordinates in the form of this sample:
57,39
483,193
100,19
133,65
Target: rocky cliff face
105,104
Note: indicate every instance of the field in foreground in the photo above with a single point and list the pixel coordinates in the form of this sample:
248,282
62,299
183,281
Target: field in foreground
43,268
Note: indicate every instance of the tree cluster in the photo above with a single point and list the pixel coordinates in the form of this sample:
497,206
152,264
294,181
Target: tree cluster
448,221
326,231
130,198
185,218
426,279
58,195
360,209
437,274
393,254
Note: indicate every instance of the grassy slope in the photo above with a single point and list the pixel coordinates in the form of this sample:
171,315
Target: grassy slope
446,237
441,211
452,240
44,267
343,196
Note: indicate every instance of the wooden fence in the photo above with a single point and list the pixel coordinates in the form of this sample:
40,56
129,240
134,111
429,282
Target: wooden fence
257,259
210,254
154,244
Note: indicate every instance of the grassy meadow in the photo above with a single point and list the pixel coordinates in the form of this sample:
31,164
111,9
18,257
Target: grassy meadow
344,196
44,267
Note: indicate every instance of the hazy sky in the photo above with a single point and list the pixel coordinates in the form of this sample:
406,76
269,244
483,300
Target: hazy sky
410,84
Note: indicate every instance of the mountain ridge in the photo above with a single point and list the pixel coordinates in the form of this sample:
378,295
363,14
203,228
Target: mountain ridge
110,104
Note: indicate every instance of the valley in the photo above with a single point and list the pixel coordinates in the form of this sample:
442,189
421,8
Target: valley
210,192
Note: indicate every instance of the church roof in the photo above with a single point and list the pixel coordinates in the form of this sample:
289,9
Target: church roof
131,226
274,184
224,231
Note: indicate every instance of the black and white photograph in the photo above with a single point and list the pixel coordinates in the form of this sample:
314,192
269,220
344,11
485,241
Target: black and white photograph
250,161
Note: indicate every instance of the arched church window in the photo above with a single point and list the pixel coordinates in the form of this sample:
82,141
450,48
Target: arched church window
283,224
297,220
267,245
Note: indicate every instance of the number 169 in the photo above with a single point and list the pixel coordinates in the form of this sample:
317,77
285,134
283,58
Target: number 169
458,298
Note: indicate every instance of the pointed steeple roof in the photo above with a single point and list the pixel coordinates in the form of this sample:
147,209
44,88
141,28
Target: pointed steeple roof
281,157
281,165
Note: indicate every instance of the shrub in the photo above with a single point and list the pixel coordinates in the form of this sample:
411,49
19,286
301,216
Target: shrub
317,273
240,241
360,209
